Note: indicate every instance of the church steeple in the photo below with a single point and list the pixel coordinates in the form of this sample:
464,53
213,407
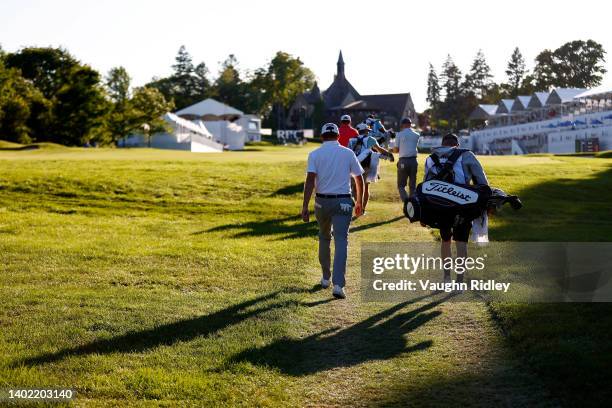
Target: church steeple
340,64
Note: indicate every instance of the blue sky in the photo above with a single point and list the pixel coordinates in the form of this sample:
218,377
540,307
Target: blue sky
144,36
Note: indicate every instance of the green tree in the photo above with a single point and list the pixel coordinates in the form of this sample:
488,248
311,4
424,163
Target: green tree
516,72
148,106
185,82
544,73
47,68
452,106
433,87
118,85
576,64
79,107
478,79
22,107
187,85
118,88
579,64
202,82
451,79
229,87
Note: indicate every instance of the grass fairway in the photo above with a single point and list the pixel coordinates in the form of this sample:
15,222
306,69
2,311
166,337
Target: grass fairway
160,278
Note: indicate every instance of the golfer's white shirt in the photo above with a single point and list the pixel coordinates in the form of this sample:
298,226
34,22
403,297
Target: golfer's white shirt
334,165
407,141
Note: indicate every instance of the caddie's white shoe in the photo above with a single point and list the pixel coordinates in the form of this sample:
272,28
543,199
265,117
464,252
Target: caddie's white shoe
325,283
338,292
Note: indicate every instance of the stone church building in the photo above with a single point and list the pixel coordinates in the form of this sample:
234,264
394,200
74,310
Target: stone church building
342,98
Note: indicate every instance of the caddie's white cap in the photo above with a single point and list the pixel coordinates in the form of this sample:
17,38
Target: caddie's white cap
345,117
362,126
330,128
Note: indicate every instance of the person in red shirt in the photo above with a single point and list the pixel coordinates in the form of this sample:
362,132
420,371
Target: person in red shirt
347,132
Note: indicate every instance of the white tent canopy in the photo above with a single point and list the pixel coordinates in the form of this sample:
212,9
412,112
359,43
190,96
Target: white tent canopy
520,103
601,92
504,106
563,95
210,110
538,100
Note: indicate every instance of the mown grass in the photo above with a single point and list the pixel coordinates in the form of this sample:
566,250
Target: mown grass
170,278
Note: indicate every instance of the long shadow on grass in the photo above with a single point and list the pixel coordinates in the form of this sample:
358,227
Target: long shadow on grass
289,190
168,334
375,224
560,210
380,337
287,228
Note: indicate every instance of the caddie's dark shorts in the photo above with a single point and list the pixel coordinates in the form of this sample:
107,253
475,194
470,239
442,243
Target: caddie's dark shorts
460,233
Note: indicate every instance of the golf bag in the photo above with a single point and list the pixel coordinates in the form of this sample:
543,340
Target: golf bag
363,153
439,202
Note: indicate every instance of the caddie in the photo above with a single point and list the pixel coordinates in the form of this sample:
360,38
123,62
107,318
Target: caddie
330,168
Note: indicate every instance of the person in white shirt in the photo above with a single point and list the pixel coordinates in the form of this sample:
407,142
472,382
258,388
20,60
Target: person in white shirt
406,142
330,168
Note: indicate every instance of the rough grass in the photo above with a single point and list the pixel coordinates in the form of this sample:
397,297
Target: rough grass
170,278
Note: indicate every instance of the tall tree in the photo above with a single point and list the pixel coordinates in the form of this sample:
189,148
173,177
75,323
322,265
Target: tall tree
184,80
478,79
452,106
202,83
579,64
118,87
118,84
544,73
228,86
516,72
433,87
451,79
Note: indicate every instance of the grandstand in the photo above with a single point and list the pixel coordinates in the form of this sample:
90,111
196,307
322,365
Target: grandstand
564,120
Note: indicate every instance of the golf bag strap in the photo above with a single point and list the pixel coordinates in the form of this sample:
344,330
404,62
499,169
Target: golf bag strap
359,142
450,162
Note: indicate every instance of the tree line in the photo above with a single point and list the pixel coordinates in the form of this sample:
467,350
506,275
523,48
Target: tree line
47,95
452,96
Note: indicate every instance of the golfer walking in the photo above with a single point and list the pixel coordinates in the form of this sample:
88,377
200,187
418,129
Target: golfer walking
330,168
346,130
466,169
406,142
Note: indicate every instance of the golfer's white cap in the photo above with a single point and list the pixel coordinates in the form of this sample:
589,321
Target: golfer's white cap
330,128
362,126
345,117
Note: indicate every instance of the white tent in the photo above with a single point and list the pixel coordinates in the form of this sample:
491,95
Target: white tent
210,110
231,135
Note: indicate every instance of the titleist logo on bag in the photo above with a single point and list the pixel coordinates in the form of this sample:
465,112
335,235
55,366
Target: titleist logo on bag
450,192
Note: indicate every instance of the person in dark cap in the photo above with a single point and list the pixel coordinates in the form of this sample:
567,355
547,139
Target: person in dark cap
466,170
406,142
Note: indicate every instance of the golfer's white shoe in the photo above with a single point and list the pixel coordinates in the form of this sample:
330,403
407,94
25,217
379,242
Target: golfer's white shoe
338,292
325,283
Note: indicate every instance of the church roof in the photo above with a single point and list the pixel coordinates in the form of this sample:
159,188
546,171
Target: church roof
388,102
